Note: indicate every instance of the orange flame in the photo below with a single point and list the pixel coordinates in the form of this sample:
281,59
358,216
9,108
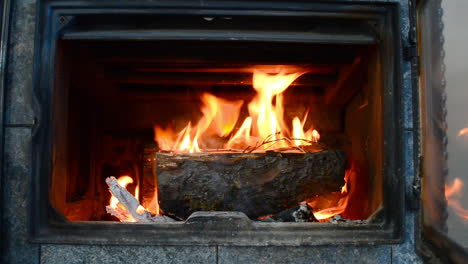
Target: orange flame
242,136
152,207
298,132
266,120
340,207
463,131
123,181
219,118
220,114
453,194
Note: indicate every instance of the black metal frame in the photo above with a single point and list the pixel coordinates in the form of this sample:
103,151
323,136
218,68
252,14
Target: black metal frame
47,227
4,33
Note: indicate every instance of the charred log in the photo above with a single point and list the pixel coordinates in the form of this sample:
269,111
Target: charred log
300,213
257,184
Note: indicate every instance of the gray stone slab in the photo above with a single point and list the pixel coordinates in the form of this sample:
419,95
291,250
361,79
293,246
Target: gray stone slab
75,254
306,255
406,251
407,88
362,255
408,160
16,171
20,63
407,98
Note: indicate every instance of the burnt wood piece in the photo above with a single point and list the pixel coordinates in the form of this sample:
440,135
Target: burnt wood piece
131,204
300,213
257,184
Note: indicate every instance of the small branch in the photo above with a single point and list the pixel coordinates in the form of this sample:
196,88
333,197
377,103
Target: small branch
250,149
298,147
221,150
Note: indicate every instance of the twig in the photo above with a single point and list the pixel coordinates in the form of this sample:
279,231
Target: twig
222,150
250,149
293,145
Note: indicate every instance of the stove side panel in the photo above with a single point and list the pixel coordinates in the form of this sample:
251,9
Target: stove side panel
17,123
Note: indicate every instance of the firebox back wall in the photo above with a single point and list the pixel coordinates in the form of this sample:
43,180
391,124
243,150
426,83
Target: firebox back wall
102,99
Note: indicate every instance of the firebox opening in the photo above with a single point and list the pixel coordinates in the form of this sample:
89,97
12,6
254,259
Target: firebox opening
115,102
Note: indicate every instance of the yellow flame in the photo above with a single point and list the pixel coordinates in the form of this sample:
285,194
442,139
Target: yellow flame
152,207
463,131
342,203
122,181
265,121
453,193
242,136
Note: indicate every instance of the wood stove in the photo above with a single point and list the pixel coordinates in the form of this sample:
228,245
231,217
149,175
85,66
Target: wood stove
221,108
233,131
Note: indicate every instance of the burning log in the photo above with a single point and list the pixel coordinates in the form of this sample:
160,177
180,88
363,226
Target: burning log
300,213
133,210
257,184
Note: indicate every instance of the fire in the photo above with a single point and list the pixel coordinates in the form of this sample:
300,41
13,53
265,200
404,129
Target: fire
264,127
463,131
453,194
340,206
298,132
219,118
123,181
268,118
152,207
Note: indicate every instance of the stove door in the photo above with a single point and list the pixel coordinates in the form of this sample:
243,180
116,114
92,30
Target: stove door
438,194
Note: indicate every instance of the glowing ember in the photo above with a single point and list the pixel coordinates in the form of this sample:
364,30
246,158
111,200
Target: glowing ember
265,120
453,194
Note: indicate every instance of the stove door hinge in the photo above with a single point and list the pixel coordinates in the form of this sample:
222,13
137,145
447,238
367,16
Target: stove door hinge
411,53
413,198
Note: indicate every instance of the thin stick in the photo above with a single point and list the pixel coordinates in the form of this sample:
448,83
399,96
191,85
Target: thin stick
274,141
